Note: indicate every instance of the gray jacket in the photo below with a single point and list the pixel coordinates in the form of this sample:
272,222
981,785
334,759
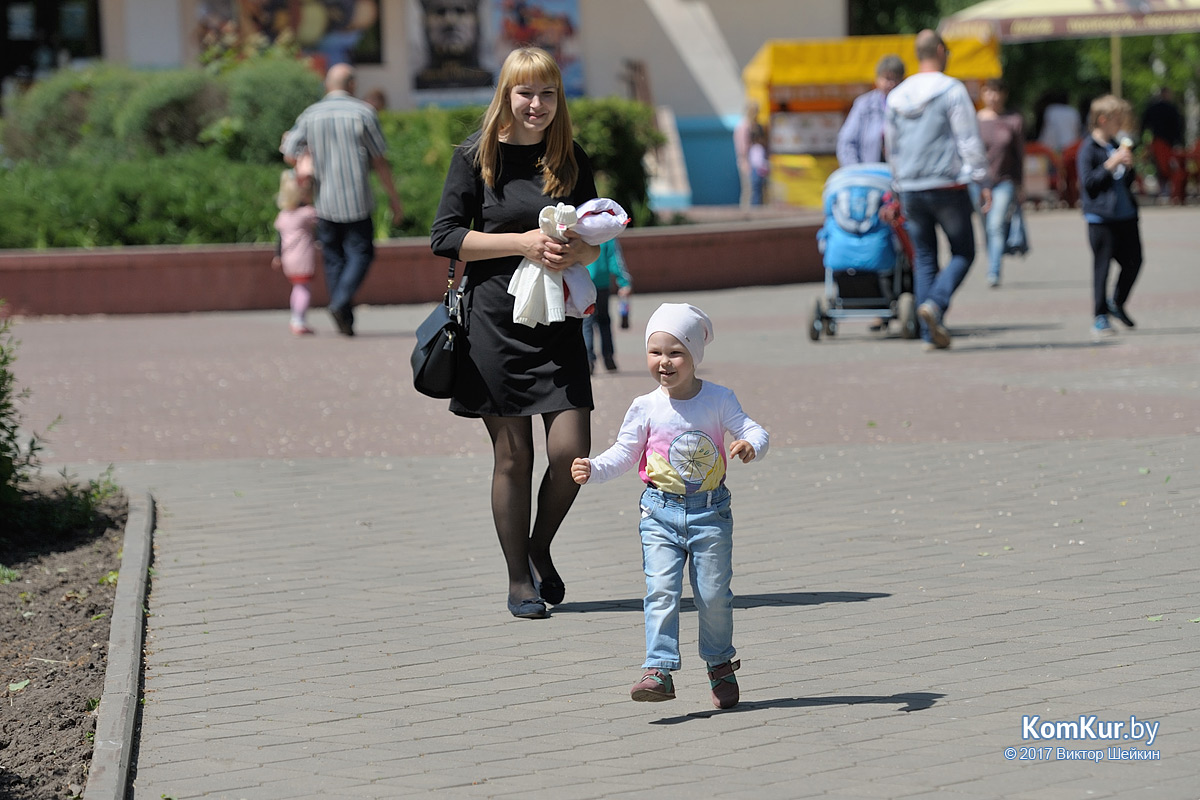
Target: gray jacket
932,135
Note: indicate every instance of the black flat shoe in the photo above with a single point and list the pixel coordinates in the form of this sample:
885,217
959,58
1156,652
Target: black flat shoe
533,608
553,591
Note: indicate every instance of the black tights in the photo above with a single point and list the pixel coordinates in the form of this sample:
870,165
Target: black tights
568,436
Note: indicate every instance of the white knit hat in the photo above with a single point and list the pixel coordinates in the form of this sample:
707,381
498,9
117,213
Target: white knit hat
685,322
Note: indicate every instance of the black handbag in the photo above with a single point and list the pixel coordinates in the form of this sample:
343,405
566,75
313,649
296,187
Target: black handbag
439,338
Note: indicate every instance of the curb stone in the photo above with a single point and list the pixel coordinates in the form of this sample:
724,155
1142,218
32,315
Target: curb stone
108,776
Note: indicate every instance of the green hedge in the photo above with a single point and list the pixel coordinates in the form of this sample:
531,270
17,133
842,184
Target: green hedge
188,198
190,157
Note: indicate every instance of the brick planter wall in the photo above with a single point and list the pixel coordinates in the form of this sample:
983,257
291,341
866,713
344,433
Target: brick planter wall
147,280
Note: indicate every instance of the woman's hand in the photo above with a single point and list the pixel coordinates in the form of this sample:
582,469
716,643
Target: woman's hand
536,246
560,255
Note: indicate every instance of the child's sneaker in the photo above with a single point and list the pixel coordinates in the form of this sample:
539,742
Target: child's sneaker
1102,328
725,693
300,329
655,686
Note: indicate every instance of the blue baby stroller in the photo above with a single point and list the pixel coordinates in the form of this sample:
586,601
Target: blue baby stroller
867,253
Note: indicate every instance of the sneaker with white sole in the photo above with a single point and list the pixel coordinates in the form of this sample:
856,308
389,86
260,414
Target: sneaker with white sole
1102,328
931,315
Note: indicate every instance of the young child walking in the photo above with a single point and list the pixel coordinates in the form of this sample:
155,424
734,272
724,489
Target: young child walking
1106,179
609,267
297,254
675,437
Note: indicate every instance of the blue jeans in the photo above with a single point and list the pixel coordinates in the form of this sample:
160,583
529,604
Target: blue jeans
697,530
949,209
758,187
348,249
995,222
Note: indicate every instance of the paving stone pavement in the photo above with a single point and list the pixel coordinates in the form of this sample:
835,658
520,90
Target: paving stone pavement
938,547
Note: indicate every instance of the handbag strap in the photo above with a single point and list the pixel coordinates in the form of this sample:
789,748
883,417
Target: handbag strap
450,274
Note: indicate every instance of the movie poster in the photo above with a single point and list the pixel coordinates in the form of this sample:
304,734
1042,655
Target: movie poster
552,25
334,31
451,51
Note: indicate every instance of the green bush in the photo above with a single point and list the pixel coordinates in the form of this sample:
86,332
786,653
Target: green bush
420,144
70,111
169,112
264,98
14,459
195,197
617,134
98,191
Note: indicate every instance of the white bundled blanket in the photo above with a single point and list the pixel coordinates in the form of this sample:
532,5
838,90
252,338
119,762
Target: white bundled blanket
542,296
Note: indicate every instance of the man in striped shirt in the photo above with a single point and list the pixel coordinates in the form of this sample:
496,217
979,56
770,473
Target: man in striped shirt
343,135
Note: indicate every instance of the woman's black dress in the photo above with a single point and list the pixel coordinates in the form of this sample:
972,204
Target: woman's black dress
508,369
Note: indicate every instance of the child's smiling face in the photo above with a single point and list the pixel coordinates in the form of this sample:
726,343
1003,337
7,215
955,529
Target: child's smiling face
671,365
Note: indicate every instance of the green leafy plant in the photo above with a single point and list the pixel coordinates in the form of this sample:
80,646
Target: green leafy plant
15,459
26,509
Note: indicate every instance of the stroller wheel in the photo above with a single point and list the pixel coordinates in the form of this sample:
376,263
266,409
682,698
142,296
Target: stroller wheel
830,327
814,322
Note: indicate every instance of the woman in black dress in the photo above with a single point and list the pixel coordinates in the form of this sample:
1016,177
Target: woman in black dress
522,159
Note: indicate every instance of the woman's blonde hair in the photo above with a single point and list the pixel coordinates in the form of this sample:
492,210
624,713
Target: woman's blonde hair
528,65
1108,105
290,194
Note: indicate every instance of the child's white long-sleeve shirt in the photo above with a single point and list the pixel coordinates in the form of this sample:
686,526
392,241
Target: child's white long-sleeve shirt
678,445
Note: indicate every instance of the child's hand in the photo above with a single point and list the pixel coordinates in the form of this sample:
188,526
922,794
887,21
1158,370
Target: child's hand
276,263
743,450
581,470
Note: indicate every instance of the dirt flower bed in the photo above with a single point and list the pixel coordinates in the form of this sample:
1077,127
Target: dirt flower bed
55,611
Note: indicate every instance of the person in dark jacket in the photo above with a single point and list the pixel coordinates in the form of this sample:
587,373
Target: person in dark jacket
1106,177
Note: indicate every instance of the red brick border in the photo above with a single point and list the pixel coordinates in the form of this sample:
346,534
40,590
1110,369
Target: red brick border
145,280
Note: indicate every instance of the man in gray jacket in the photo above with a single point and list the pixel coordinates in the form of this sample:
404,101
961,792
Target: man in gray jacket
935,152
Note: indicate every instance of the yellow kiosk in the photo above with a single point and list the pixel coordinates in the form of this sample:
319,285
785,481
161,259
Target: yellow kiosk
804,89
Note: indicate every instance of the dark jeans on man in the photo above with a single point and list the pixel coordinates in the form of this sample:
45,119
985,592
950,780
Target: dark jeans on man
925,212
1120,241
348,249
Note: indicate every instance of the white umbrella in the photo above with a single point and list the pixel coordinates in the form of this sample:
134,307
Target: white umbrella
1039,20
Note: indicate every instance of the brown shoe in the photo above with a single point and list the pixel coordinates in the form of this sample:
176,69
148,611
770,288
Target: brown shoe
655,686
725,693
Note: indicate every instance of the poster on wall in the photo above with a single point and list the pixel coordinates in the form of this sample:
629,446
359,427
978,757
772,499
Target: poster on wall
450,51
333,31
552,25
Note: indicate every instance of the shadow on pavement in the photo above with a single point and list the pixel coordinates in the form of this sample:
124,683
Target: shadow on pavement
909,701
989,330
1083,344
739,601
